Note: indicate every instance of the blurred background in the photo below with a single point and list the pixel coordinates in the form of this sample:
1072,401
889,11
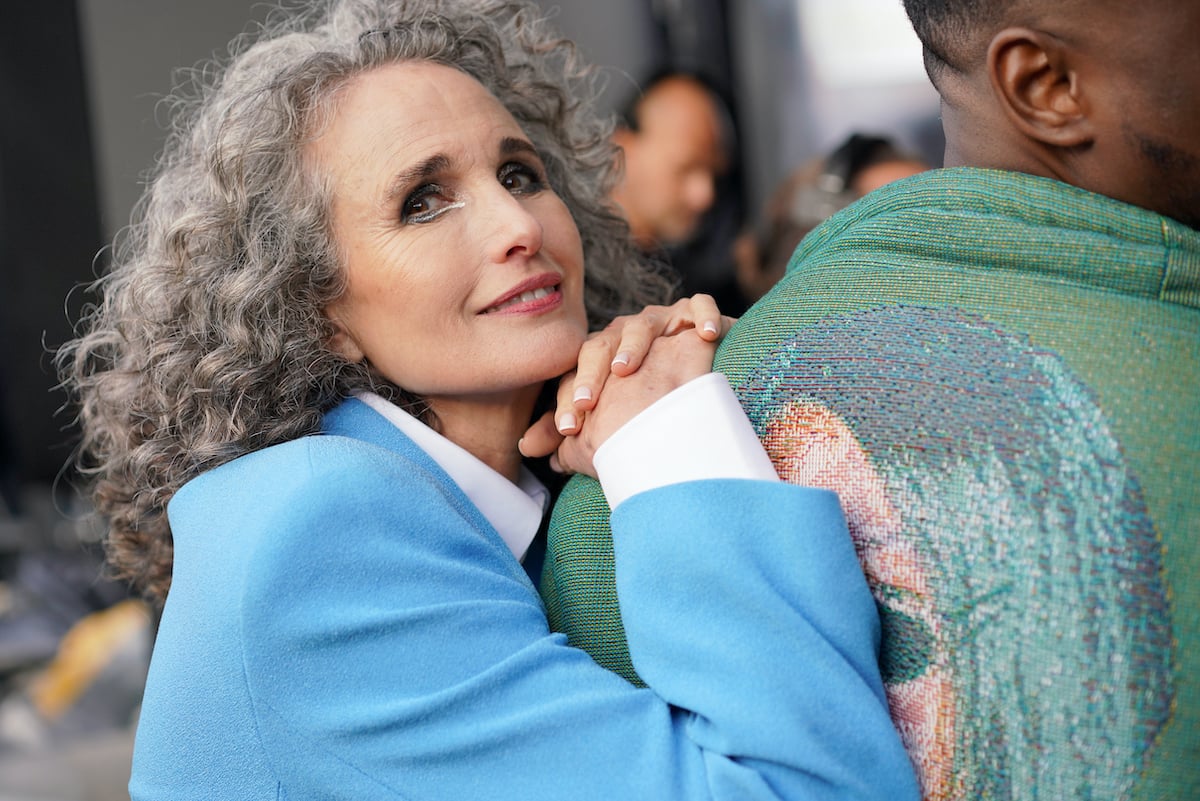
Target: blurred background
80,85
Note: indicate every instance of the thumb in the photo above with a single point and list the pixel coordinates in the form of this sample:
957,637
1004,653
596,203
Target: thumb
541,438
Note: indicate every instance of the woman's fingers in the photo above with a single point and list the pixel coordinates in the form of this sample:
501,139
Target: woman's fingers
541,439
594,366
705,317
670,363
635,336
621,348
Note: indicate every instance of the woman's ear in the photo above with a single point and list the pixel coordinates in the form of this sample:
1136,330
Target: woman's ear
342,342
1041,91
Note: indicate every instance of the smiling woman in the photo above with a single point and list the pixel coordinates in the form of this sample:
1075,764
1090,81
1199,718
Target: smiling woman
456,248
357,275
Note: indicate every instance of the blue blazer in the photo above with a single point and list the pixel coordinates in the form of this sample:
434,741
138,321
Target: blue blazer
344,624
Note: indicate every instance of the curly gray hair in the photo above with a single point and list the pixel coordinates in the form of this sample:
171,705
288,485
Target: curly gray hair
209,340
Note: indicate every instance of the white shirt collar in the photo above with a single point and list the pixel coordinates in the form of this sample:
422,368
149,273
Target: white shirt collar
514,510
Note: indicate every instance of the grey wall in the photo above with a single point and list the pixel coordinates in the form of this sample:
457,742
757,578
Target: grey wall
132,51
614,35
132,48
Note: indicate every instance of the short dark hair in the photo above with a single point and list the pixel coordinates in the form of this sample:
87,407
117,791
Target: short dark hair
949,28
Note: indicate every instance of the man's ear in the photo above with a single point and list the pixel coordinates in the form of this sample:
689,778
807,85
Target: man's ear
1041,92
342,342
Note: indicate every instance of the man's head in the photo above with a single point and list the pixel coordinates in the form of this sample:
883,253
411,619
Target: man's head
1103,94
676,142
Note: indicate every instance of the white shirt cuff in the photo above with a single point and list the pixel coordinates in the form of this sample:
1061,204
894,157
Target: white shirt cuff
695,432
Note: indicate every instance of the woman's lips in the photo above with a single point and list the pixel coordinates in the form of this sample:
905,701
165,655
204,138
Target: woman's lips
528,296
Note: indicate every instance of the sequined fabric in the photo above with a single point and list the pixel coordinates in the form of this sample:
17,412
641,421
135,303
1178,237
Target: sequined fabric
1000,375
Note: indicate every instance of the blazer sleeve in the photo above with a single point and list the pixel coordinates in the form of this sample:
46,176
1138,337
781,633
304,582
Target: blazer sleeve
393,649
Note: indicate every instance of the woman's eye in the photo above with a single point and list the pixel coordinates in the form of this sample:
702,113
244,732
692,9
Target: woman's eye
425,204
521,178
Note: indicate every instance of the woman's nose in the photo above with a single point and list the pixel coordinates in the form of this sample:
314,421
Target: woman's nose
516,230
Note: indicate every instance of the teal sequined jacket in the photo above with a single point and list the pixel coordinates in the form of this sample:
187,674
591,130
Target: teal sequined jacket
1000,375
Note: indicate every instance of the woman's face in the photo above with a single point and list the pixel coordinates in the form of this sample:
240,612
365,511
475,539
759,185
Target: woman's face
465,269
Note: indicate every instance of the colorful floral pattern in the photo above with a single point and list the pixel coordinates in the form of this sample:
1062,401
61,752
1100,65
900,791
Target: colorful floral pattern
1027,641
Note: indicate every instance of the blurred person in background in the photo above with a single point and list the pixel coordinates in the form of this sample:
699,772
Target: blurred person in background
676,142
679,149
812,193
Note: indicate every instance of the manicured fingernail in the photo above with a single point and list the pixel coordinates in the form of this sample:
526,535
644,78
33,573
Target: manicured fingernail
582,393
566,422
621,358
711,327
555,465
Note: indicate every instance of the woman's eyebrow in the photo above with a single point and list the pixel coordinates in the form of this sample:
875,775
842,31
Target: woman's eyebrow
512,146
404,180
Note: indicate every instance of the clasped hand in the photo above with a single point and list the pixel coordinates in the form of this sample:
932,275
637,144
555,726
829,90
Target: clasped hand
634,361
